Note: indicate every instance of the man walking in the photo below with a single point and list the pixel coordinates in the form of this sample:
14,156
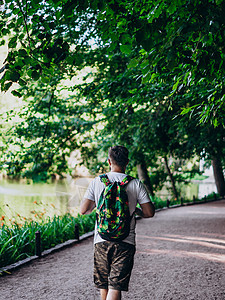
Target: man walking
113,260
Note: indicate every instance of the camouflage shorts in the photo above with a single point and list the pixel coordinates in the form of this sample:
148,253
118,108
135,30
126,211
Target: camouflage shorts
113,263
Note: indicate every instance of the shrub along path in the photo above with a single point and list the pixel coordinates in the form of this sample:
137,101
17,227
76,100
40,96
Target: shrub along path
180,255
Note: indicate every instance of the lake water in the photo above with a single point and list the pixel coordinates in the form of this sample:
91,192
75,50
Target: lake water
29,200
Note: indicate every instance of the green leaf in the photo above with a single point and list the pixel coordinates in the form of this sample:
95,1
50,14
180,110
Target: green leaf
56,1
154,75
22,82
141,35
146,69
215,122
146,77
147,44
126,39
134,91
13,76
2,43
16,94
22,52
176,85
5,31
218,2
112,47
68,8
45,79
188,109
133,63
172,8
35,75
12,42
126,49
16,11
7,85
145,63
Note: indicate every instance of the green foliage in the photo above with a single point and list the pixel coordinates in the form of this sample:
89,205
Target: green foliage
159,203
141,121
212,196
46,50
156,71
180,40
49,128
18,241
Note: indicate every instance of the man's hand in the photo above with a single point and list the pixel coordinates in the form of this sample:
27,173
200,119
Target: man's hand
138,212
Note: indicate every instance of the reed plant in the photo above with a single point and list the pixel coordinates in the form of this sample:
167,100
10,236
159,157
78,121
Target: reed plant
17,241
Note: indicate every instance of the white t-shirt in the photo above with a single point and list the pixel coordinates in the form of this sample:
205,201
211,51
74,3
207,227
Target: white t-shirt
136,193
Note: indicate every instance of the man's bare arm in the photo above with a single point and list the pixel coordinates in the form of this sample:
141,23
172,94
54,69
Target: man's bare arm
87,206
147,210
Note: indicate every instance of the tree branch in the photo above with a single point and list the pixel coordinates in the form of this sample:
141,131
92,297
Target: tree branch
49,114
27,31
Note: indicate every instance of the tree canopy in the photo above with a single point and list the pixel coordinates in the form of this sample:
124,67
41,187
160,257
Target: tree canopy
181,39
150,73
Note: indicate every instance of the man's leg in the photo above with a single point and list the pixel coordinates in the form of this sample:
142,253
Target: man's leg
114,295
101,268
121,267
103,293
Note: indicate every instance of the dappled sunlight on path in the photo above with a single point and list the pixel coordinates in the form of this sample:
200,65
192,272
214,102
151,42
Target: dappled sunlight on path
181,254
195,241
190,242
208,256
156,246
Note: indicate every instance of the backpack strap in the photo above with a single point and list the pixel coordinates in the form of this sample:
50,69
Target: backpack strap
126,180
104,178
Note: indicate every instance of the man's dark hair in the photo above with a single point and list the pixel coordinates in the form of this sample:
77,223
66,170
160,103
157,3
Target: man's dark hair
119,155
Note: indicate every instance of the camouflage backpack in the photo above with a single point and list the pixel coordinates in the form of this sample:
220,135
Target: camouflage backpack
113,215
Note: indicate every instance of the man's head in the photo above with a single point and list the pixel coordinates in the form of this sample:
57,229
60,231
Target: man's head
118,155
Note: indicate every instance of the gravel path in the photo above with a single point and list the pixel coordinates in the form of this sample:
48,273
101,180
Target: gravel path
180,255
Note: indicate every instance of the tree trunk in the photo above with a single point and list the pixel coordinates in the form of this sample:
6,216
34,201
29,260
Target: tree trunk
144,177
218,175
175,193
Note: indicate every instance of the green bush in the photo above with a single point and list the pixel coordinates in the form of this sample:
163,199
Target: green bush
18,241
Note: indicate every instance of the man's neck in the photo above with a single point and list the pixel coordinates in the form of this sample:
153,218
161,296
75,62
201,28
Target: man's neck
117,169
